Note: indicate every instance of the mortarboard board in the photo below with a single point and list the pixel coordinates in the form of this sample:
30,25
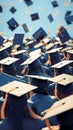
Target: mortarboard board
13,10
50,45
18,52
54,3
12,24
45,40
37,51
31,59
63,79
68,13
26,29
28,2
4,47
34,16
66,49
69,19
38,45
8,60
18,39
63,34
50,17
59,107
53,50
62,64
1,9
39,34
70,51
1,40
17,88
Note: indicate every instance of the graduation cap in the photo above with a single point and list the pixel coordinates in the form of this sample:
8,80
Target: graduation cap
28,2
63,34
59,107
62,64
70,51
26,29
69,19
34,16
12,24
18,39
50,17
31,59
54,3
5,46
18,52
49,46
13,10
39,34
1,40
8,60
17,88
63,79
68,13
54,50
45,40
1,9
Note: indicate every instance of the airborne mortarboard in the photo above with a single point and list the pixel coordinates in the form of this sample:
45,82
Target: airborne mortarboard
54,3
59,107
17,88
69,19
34,16
39,34
50,17
62,64
63,34
1,40
26,29
12,24
1,9
28,2
18,39
13,10
8,60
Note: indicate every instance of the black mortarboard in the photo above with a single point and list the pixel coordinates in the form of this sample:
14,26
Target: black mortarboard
63,34
18,39
50,17
69,19
1,40
12,24
39,34
34,16
13,10
54,3
1,9
68,13
28,2
26,29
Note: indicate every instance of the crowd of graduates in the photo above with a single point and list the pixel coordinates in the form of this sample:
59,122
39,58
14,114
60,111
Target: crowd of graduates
36,60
